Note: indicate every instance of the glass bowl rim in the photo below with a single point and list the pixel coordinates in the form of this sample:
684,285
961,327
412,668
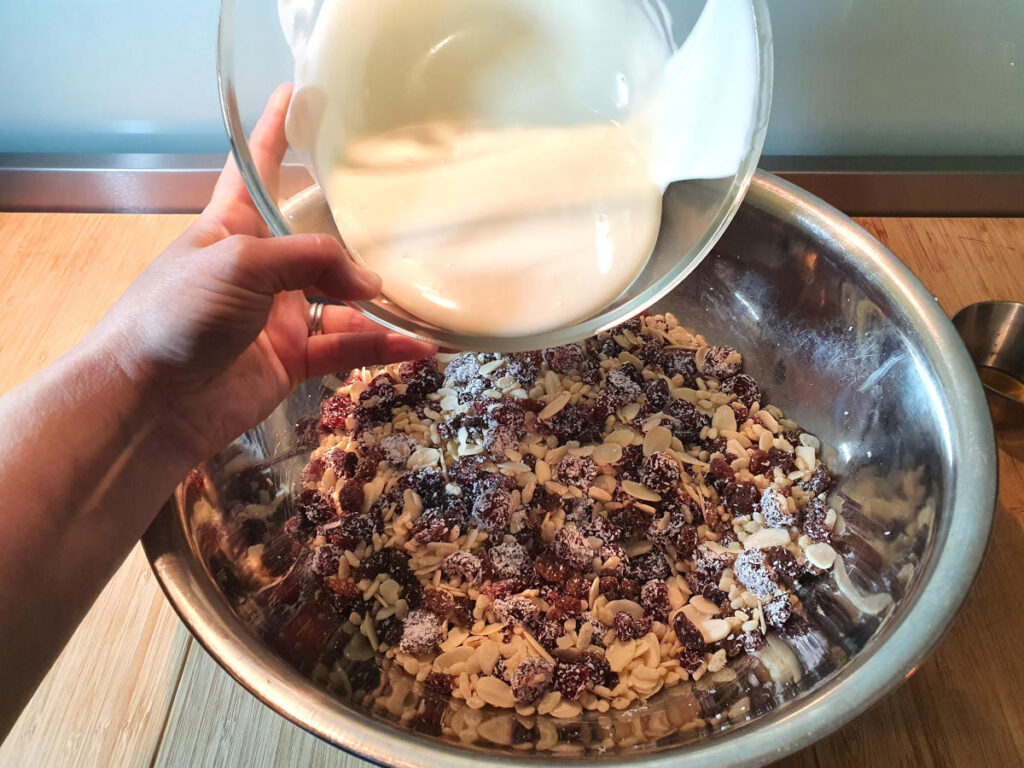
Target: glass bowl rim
446,339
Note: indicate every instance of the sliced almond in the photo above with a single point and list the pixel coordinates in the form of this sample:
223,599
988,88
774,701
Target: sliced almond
767,537
495,692
638,491
620,654
657,440
607,453
628,606
446,661
820,555
555,406
487,368
724,418
622,437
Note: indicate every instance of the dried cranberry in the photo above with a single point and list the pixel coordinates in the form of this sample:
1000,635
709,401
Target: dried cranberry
821,481
571,547
316,507
344,595
654,599
325,561
532,679
421,632
343,462
462,613
492,510
507,560
774,508
707,587
777,611
379,393
366,468
687,421
565,359
393,562
634,325
631,462
754,571
564,607
628,628
429,485
465,472
439,684
720,473
334,411
581,422
389,631
351,496
689,636
591,374
577,586
462,369
744,388
657,393
571,679
686,542
548,632
660,472
815,514
524,367
421,377
629,589
464,564
652,353
623,386
552,569
438,602
681,362
430,527
651,565
720,362
516,609
711,563
604,529
356,527
608,349
782,460
576,471
741,498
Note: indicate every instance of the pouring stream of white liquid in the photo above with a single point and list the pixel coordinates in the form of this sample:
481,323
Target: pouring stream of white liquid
501,164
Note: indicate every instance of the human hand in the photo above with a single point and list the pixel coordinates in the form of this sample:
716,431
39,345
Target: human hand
215,331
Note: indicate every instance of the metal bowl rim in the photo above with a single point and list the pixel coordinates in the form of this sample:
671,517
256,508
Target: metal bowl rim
874,672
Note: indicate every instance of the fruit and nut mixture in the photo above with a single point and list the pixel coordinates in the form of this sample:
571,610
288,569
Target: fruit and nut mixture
570,529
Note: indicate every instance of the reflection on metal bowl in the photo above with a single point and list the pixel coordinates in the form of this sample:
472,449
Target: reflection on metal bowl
850,345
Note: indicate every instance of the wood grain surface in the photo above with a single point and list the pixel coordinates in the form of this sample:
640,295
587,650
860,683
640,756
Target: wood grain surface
133,689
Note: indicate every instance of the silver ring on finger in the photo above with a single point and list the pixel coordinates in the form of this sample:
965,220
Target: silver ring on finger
315,318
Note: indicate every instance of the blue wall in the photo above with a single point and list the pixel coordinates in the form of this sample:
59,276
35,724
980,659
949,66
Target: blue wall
852,76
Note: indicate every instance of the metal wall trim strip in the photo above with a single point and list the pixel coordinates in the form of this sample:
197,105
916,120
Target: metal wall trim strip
861,186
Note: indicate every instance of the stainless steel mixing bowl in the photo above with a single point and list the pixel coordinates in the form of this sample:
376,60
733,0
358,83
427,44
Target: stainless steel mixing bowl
848,343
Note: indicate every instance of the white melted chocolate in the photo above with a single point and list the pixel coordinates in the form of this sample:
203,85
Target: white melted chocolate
501,164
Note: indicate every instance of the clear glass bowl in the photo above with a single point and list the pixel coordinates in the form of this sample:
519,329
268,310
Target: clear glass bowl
253,59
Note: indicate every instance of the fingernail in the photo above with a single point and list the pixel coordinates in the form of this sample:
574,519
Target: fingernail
370,281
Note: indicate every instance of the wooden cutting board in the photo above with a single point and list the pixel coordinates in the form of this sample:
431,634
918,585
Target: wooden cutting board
133,689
